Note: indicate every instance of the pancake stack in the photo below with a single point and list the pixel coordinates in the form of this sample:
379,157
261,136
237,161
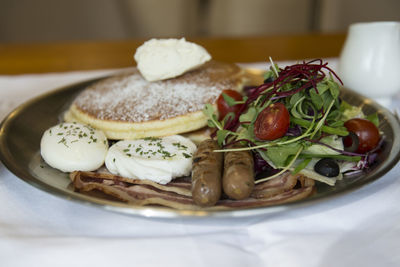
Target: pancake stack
127,106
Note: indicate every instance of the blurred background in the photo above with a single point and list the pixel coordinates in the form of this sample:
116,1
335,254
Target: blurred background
91,20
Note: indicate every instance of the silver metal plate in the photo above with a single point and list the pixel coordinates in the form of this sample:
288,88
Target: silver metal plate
22,129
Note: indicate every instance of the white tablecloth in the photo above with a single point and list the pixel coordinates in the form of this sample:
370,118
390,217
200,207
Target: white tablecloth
38,229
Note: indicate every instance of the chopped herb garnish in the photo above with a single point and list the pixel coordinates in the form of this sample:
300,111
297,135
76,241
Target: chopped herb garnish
63,141
186,155
179,146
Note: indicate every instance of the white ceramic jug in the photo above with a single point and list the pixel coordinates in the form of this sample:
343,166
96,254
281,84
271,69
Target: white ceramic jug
370,60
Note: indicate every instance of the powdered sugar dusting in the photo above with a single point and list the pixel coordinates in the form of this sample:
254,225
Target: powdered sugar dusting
131,98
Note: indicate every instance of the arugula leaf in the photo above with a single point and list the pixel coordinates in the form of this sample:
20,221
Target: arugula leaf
316,98
327,101
295,98
334,116
333,88
322,87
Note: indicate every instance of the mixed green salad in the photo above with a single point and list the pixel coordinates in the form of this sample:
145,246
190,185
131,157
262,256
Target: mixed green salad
296,121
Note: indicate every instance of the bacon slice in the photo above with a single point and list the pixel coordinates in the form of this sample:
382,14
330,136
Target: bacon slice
180,186
177,193
281,184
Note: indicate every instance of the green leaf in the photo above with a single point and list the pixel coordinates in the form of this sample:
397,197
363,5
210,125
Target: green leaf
331,140
250,115
348,111
334,116
208,110
295,98
327,100
373,118
211,124
221,136
322,87
269,74
246,133
229,100
345,105
337,124
279,154
333,88
341,131
316,99
302,165
228,117
296,108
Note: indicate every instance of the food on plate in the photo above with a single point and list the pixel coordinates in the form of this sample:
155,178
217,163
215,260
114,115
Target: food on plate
296,121
272,122
73,146
129,107
238,178
177,194
207,174
364,135
160,59
223,107
153,158
264,146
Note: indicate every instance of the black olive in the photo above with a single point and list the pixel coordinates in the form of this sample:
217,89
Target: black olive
351,142
327,167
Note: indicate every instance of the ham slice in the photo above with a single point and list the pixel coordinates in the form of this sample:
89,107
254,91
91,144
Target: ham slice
177,194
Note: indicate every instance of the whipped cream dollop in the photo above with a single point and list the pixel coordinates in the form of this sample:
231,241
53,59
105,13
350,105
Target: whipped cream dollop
156,159
160,59
73,147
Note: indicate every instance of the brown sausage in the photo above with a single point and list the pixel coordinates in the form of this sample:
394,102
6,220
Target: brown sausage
206,174
238,179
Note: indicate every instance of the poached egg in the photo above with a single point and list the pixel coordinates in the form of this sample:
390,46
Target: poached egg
156,159
74,147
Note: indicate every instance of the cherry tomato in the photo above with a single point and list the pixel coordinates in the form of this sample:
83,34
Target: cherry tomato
272,123
366,132
223,107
